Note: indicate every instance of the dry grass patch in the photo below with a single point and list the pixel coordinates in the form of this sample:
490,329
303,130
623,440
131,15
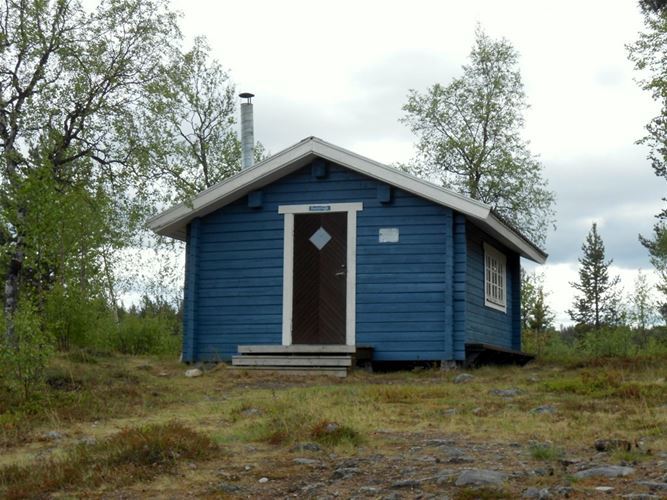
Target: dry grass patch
129,456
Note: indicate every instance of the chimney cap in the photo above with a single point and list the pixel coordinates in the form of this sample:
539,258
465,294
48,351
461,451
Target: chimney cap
246,95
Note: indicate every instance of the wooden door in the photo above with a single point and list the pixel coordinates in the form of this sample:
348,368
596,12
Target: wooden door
320,277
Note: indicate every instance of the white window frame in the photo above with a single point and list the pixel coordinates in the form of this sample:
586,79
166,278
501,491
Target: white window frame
288,263
495,278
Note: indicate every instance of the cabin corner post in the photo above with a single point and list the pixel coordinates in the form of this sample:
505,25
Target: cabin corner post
459,285
448,344
515,276
190,290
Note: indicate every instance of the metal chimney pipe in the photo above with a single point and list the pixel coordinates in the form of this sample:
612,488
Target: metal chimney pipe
247,131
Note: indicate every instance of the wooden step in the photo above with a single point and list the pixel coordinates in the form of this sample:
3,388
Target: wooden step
334,371
297,349
293,361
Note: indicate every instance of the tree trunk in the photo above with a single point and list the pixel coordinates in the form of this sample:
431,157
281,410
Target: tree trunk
12,282
112,294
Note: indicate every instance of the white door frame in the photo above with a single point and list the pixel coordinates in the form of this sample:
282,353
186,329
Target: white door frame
351,264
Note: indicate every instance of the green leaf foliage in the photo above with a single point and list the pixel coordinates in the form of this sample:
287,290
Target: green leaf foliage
648,55
469,138
22,361
104,120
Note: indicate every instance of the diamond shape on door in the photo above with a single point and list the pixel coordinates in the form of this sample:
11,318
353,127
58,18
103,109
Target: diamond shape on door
320,238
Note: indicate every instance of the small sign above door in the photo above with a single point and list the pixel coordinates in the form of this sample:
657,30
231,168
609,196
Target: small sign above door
388,235
319,208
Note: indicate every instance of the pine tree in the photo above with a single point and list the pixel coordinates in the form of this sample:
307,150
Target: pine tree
536,314
597,304
542,318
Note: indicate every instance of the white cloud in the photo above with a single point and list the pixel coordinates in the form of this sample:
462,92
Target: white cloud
341,71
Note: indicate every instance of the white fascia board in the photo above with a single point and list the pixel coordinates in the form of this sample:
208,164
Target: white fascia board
400,179
170,222
515,241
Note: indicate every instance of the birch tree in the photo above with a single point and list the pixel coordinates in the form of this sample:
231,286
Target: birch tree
648,55
69,81
469,138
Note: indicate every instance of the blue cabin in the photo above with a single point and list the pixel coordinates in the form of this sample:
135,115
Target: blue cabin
318,245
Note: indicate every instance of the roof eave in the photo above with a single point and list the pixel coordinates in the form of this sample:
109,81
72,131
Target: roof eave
173,222
514,240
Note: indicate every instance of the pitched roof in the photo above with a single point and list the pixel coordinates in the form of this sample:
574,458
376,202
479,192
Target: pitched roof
173,222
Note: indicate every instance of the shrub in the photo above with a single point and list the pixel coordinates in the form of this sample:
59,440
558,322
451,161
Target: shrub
333,434
127,457
24,358
545,452
575,346
152,446
146,335
75,320
609,342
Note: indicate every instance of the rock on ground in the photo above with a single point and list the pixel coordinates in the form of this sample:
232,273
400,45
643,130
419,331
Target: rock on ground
605,471
480,477
193,372
612,444
537,493
406,483
306,461
653,485
53,435
505,393
546,409
228,487
462,378
307,447
345,472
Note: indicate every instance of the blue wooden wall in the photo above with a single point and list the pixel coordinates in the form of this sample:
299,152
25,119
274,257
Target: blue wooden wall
418,299
402,288
484,324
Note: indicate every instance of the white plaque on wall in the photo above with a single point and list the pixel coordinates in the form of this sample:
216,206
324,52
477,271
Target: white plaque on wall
388,235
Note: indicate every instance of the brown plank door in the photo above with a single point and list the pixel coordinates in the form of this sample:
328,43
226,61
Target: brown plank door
320,272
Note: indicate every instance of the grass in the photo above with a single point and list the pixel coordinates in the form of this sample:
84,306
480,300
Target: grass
334,434
141,410
131,455
545,452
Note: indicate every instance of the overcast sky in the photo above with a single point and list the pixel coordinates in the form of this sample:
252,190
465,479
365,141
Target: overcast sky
341,71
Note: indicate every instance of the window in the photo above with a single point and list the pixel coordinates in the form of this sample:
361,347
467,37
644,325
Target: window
495,287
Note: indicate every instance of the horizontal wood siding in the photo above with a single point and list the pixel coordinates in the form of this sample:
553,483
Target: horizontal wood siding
401,287
484,324
240,280
190,291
